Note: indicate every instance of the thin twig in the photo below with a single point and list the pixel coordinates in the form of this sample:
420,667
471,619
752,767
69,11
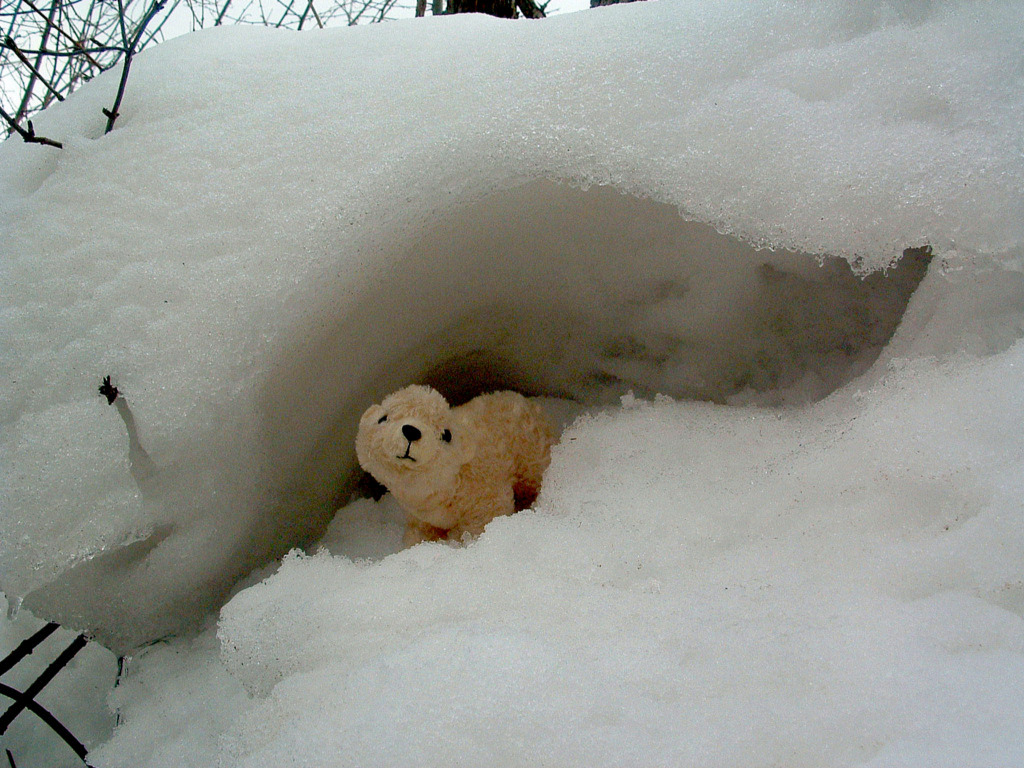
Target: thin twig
385,9
112,113
77,44
15,19
68,54
55,45
120,20
151,36
29,136
287,10
309,7
26,99
220,16
13,46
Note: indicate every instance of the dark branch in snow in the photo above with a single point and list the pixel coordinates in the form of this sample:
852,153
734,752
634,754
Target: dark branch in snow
130,49
29,135
49,47
25,647
47,717
108,390
23,699
26,700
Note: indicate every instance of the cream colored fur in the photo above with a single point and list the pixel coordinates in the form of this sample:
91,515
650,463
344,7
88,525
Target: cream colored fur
453,470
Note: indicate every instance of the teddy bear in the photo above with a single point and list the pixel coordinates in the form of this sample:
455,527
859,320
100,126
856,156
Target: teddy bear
453,470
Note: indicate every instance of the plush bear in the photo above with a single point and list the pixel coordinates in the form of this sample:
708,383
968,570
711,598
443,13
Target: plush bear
453,470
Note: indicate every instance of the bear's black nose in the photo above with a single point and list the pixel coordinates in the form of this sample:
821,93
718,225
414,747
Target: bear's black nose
411,433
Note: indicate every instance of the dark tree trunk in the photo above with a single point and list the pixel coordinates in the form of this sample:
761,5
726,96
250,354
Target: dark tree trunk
530,9
505,9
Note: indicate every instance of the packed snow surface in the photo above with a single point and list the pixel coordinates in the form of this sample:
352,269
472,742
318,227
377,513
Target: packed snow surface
787,527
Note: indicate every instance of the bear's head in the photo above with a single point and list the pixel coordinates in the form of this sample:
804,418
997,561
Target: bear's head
412,440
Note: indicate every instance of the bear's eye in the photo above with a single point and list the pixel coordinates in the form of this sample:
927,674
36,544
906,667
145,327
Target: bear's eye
382,419
447,435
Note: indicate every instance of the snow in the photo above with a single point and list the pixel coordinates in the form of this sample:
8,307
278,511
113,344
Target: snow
786,527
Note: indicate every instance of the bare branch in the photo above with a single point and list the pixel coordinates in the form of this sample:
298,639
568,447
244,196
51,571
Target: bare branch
305,13
220,16
152,36
10,45
29,136
129,54
77,44
530,9
49,47
33,68
316,15
23,107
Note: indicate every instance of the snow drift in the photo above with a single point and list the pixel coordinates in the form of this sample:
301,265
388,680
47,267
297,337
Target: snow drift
676,199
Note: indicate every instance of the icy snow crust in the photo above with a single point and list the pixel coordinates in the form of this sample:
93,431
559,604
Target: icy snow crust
760,588
284,227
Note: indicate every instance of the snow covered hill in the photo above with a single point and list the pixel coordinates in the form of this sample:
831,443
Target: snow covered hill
772,251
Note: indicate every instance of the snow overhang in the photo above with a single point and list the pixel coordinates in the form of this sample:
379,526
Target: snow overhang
636,198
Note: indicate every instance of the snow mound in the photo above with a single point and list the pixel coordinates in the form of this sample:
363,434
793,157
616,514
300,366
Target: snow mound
848,598
787,531
255,256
